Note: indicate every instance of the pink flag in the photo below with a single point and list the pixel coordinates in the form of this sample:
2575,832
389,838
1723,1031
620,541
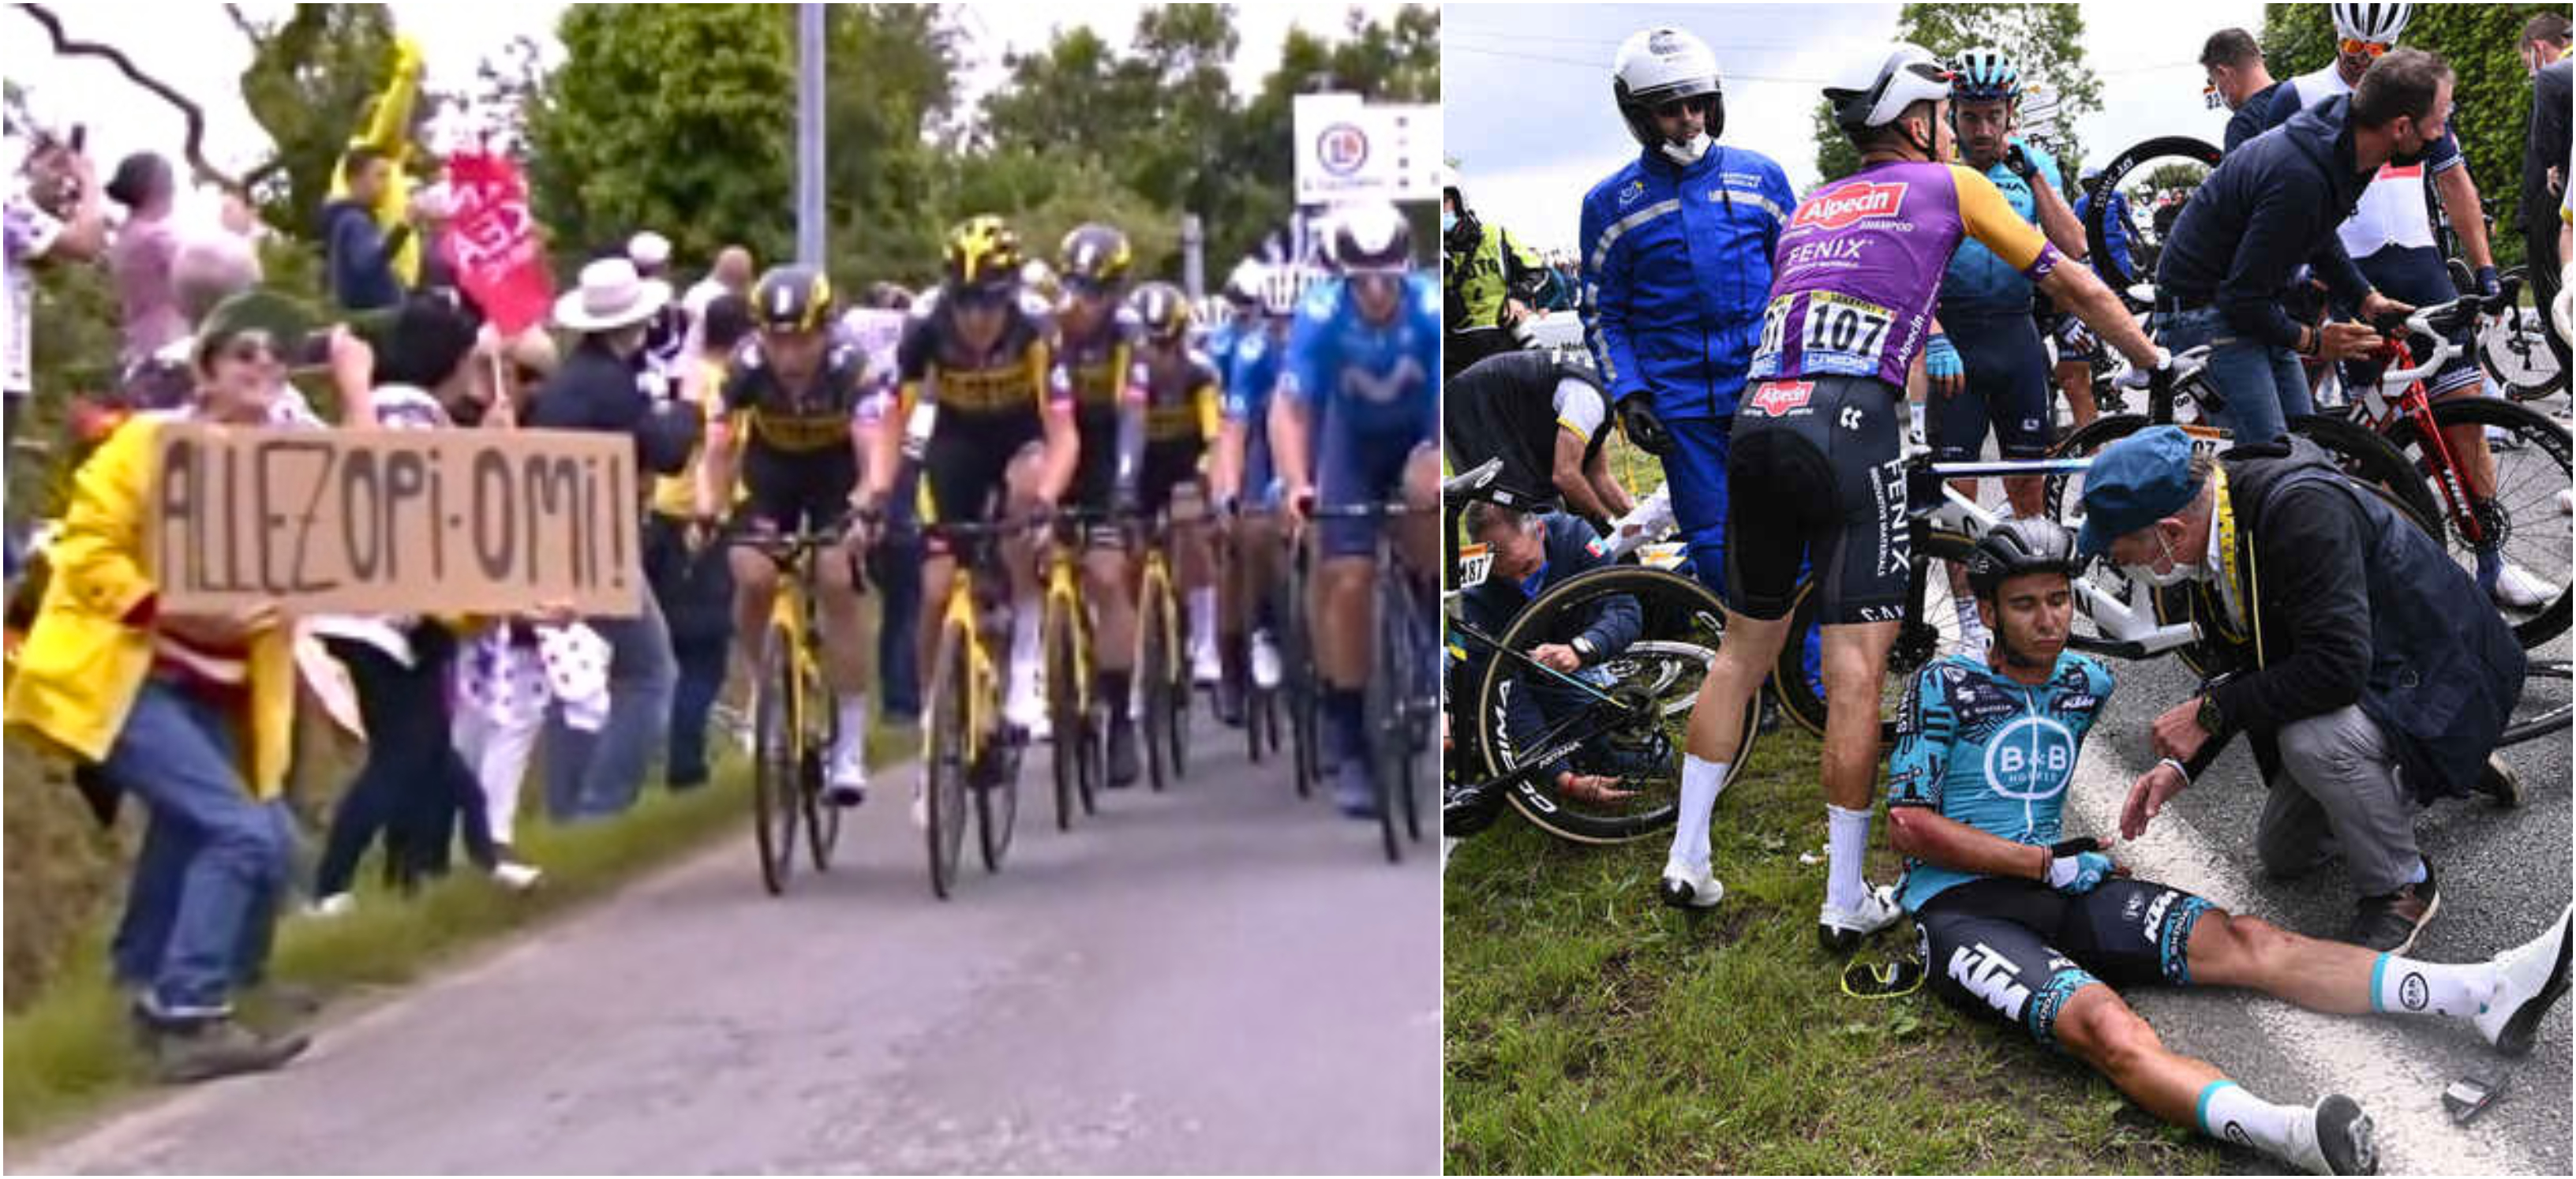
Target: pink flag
492,242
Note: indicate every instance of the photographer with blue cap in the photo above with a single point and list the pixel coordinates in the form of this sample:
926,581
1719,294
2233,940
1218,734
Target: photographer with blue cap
2355,671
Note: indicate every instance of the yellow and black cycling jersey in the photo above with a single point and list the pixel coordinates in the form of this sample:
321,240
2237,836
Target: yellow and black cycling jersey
934,364
773,417
1181,400
1094,368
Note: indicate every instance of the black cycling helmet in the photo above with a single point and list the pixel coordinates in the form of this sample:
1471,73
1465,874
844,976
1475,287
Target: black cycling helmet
983,252
2017,546
1162,310
1094,254
792,299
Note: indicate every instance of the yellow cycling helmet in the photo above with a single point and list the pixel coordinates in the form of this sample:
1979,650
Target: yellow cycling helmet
792,299
1163,311
1095,256
983,252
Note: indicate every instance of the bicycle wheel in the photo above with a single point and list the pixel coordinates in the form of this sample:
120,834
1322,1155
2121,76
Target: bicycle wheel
2526,522
1412,737
1657,679
2514,352
2544,708
1094,726
1297,680
1154,653
997,800
1176,727
1390,750
1931,629
944,765
778,765
1064,708
822,729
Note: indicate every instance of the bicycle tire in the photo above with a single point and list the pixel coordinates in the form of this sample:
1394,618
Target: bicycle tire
1153,651
1297,679
997,805
2544,721
1919,640
2520,339
777,769
1411,735
823,729
1176,729
2553,472
1064,709
943,763
1387,747
1538,802
2159,148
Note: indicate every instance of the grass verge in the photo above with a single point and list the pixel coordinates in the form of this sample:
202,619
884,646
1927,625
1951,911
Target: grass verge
71,1051
1590,1029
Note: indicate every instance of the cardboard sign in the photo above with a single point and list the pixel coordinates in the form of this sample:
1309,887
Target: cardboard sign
394,521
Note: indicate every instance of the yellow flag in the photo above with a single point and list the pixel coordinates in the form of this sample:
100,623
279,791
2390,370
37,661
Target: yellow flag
387,130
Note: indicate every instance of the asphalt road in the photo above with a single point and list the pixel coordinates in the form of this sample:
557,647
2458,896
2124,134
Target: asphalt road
1219,979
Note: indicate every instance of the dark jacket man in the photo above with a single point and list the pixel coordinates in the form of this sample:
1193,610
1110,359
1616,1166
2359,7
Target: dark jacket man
2272,204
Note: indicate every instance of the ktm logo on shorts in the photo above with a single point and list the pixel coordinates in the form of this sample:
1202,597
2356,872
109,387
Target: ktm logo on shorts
1774,399
1849,205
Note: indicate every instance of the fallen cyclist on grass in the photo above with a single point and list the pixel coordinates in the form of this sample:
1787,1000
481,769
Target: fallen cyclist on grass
2019,923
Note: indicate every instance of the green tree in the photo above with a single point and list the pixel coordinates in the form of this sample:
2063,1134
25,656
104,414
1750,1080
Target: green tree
310,79
2045,40
2491,102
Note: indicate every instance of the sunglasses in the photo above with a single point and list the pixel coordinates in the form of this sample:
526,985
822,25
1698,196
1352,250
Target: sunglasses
982,298
1377,283
250,347
2355,45
1673,108
1085,288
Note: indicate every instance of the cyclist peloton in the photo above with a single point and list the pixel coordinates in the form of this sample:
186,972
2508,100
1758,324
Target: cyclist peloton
1818,437
791,414
1364,356
2025,927
978,410
1986,364
2390,237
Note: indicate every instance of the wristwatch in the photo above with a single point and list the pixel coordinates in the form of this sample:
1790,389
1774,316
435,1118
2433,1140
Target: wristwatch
2208,716
1582,645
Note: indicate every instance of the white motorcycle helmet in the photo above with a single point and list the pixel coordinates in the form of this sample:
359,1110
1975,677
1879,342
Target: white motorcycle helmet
2378,23
1656,66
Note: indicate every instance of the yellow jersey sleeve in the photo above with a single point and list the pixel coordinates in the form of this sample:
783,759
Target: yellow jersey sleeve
1992,222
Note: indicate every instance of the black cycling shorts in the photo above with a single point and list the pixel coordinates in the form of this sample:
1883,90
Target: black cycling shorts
786,492
1815,475
1168,465
2017,950
1095,481
2007,391
965,470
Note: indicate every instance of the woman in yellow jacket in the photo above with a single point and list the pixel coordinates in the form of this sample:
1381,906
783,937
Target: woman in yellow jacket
190,714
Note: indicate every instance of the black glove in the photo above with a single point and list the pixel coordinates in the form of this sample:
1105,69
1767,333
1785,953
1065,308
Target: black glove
2018,161
1645,431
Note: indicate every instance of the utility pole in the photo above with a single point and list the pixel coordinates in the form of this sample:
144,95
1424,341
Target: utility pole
809,134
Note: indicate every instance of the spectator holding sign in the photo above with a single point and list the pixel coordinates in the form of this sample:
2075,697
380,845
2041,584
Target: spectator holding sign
592,775
193,715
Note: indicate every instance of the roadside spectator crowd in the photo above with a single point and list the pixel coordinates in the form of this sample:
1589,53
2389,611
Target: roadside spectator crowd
192,717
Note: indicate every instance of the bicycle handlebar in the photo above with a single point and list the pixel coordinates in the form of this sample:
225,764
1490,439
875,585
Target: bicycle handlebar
2439,322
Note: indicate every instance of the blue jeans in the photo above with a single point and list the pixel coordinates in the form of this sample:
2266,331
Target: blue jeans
202,908
599,775
896,572
2261,383
695,591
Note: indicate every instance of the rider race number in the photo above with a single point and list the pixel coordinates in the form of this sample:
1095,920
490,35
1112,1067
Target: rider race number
1475,562
1842,334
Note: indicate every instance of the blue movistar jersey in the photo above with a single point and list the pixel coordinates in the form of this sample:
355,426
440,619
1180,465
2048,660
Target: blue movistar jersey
1375,380
1993,753
1977,281
1251,373
1220,343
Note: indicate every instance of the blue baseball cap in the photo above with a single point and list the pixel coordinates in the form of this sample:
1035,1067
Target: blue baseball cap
2133,483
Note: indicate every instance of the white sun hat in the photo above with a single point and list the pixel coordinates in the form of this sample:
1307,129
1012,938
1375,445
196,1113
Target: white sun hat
611,296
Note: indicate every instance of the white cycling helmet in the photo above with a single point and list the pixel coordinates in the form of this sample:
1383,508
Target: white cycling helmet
1449,183
1872,89
1282,288
1370,237
1243,284
2380,23
1656,66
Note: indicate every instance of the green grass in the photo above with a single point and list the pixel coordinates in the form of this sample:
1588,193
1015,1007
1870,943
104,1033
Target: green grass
1590,1029
70,1051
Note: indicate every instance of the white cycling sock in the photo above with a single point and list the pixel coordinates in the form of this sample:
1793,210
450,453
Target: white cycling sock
1203,617
2404,985
1028,617
2230,1114
1847,840
1701,780
853,709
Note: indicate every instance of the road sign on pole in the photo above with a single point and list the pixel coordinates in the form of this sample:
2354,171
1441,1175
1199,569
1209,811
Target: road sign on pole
1348,149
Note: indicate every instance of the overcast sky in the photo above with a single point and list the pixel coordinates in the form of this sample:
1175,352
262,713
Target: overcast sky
1526,89
194,47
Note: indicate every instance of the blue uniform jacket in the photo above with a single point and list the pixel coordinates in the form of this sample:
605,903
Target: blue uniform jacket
1676,270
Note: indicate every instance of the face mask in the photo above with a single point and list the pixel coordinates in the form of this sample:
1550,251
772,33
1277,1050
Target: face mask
1689,151
1448,221
2178,572
2408,159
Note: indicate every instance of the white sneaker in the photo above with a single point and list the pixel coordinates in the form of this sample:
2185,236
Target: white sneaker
1841,930
2517,588
515,876
1026,702
847,782
2567,503
1685,887
1205,669
2336,1140
338,904
2529,980
1265,661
